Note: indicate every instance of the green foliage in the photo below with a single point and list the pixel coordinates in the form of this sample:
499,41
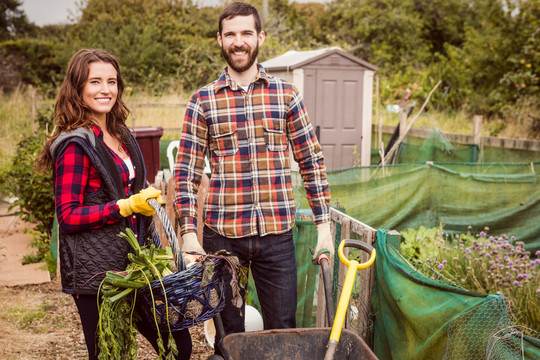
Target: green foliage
497,64
484,51
483,264
40,66
33,190
13,21
419,243
161,46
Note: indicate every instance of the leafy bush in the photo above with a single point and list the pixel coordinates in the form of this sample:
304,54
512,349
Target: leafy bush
484,264
40,65
33,190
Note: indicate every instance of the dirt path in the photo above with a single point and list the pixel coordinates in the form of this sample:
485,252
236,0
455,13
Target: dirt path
41,322
37,320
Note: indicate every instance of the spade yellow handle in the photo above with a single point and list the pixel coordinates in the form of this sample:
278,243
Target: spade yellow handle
352,267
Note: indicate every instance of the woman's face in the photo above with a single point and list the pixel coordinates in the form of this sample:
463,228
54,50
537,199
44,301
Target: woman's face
101,89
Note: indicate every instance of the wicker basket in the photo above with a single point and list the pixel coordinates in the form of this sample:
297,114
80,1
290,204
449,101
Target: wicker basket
185,302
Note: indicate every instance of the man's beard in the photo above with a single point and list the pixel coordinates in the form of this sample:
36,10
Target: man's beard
237,66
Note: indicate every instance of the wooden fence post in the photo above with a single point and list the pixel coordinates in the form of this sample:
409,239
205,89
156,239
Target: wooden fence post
477,136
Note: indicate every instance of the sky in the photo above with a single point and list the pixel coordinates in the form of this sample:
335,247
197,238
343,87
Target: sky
54,12
49,12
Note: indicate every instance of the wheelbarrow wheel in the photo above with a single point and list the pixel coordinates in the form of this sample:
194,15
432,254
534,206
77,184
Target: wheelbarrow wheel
215,357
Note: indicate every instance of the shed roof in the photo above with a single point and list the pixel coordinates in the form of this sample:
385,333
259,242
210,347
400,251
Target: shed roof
293,59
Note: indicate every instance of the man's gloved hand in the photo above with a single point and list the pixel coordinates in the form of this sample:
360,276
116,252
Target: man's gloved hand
137,203
325,243
191,243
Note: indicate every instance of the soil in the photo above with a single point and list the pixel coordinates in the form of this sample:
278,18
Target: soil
41,322
37,320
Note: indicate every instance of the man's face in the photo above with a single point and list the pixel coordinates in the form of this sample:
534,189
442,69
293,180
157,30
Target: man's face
240,42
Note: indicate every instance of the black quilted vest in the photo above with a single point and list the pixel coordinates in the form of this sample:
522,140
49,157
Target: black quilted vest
85,256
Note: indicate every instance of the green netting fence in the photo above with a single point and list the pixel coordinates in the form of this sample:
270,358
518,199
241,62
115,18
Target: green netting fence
437,148
418,314
304,235
503,197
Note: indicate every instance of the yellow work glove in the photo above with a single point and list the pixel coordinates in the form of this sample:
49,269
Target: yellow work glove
325,243
137,203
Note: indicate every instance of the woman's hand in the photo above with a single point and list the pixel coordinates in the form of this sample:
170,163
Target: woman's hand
137,203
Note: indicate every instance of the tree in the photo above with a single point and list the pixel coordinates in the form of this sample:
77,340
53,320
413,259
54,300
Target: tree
13,21
498,63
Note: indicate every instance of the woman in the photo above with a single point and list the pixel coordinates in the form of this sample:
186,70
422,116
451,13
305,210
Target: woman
100,187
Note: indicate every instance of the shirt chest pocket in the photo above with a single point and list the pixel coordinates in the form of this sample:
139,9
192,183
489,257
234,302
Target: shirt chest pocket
274,134
224,139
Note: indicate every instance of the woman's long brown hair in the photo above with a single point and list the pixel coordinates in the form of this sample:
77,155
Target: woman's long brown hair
70,110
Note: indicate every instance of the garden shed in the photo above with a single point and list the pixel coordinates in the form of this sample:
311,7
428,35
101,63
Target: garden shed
338,92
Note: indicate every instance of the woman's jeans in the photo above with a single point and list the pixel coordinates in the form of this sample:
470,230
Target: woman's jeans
272,262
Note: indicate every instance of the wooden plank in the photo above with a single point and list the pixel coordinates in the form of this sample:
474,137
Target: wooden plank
356,225
365,282
345,234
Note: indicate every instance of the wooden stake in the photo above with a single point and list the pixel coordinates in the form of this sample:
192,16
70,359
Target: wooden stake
404,133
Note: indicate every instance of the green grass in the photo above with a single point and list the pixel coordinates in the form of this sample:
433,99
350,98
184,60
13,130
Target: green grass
18,109
15,120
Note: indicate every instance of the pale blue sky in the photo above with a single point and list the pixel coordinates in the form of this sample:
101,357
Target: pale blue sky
47,12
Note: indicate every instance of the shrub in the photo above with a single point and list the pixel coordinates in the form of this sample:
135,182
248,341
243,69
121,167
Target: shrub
487,264
33,190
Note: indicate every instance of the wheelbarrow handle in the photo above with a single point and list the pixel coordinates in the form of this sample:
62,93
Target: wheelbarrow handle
358,245
353,266
327,281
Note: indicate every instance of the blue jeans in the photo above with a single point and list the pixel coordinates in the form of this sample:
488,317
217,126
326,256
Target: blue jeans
272,261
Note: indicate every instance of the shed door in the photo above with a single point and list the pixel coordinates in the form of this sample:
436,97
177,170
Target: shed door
338,112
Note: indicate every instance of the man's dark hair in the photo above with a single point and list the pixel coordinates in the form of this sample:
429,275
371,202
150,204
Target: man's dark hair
240,9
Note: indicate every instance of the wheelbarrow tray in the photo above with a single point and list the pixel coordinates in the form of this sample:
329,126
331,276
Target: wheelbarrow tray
293,344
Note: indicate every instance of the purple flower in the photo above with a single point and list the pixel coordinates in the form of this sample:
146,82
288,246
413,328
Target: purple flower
537,253
468,250
515,282
510,262
441,266
444,261
499,292
488,255
482,233
491,238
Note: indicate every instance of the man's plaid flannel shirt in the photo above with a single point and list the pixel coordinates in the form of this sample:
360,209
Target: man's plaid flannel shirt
248,135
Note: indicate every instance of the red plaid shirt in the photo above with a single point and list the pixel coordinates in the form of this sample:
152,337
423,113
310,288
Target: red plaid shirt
76,178
248,136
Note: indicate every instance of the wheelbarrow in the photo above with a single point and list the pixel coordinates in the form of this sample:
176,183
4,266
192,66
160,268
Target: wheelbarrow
333,343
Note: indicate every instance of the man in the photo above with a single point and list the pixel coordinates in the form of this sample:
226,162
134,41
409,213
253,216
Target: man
249,121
